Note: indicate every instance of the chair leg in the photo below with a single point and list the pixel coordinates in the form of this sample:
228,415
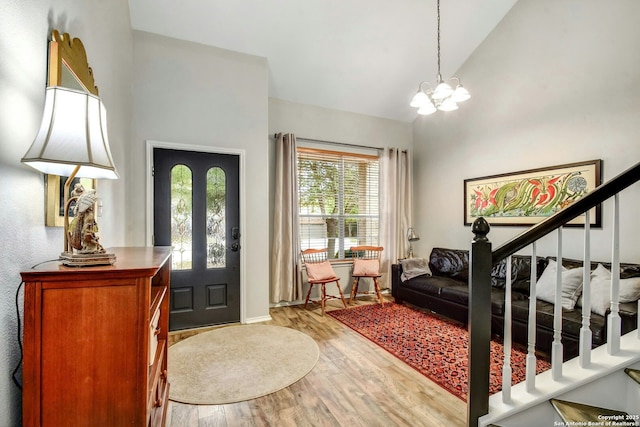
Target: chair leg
377,286
344,302
323,301
308,295
354,289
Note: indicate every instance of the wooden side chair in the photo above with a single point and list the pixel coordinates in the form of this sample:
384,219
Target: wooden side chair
366,263
320,272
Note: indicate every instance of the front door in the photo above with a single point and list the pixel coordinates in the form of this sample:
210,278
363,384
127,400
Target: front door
196,211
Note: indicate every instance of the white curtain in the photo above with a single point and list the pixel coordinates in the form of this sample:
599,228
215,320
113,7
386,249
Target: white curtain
285,281
396,202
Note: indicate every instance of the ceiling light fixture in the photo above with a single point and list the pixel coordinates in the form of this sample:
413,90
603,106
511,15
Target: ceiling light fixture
443,97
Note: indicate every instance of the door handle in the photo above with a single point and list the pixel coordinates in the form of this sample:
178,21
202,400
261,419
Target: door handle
235,247
235,233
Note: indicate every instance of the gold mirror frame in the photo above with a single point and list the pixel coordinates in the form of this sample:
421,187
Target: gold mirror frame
67,54
68,67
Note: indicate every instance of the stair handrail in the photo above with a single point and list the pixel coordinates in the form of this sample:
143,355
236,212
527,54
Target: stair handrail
562,217
480,275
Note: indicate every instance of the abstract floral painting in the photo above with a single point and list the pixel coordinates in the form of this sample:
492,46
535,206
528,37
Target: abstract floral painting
527,197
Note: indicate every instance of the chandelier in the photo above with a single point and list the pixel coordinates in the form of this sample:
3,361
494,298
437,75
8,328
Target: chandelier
444,98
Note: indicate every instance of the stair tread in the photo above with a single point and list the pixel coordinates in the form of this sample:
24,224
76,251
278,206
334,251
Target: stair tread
633,373
576,412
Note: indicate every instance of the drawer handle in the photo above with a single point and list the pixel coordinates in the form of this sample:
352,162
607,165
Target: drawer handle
156,332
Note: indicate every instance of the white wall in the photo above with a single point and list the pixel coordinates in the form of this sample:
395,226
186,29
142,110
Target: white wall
306,121
189,93
25,27
556,82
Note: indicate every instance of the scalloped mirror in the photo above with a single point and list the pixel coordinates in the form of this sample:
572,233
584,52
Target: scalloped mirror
68,67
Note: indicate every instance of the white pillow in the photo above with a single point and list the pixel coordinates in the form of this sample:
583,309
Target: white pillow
601,290
571,285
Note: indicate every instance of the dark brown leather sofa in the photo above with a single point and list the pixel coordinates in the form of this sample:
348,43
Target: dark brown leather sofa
446,292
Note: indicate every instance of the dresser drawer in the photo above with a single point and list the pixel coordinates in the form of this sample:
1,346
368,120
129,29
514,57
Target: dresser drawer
154,331
158,410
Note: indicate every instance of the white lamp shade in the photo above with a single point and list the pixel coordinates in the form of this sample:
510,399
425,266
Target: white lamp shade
442,91
73,133
420,99
461,94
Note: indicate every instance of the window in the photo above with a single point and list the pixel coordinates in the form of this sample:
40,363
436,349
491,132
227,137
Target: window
338,200
181,215
216,218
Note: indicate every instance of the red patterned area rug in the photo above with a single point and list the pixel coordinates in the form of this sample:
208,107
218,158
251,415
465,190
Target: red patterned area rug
434,346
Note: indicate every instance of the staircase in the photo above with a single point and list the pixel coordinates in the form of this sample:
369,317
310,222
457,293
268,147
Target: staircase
573,413
598,387
605,385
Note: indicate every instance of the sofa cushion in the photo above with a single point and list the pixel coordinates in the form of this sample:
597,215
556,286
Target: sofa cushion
430,285
460,295
520,272
453,263
571,320
626,270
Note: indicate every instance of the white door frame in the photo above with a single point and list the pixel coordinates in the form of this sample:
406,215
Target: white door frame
150,145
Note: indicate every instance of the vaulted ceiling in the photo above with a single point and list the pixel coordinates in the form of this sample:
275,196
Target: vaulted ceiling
363,56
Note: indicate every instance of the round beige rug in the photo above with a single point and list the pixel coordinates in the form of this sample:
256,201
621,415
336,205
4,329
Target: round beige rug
238,363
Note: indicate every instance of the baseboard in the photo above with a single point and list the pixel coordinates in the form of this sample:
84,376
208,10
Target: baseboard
258,319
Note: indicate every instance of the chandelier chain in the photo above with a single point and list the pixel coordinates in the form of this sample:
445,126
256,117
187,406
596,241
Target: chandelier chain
438,11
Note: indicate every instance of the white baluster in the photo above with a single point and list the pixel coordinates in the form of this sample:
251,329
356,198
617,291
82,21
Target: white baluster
585,331
614,327
506,367
556,347
531,350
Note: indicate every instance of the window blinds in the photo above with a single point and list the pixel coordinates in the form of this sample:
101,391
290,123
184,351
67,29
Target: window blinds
338,196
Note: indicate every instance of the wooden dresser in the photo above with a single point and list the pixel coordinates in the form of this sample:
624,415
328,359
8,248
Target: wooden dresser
95,341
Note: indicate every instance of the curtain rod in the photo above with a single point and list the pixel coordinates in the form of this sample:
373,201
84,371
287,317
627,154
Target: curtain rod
344,144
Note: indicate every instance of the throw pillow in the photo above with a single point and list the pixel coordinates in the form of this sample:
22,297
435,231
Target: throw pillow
320,271
413,267
571,285
601,290
366,267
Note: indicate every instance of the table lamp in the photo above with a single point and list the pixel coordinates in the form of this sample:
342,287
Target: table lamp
72,141
411,237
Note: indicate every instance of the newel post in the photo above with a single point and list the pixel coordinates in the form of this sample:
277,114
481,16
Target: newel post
480,265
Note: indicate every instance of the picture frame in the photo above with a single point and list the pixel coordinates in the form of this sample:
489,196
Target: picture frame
54,198
527,197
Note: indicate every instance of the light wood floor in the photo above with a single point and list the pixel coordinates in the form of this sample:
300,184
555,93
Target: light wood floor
354,383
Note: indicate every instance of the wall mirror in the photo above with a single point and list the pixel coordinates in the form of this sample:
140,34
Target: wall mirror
68,67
